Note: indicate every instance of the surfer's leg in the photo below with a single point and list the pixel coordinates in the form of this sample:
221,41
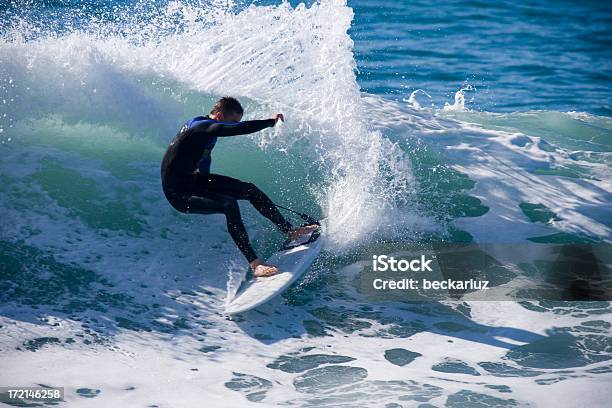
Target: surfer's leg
247,191
213,203
266,207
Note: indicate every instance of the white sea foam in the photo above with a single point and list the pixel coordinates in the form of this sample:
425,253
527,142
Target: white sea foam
296,60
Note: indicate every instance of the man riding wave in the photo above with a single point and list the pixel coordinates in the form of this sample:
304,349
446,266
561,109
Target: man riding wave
190,187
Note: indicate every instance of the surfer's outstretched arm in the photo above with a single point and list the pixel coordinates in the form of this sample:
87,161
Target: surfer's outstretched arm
239,128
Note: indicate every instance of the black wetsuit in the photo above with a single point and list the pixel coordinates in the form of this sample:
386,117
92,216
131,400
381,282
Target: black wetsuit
191,188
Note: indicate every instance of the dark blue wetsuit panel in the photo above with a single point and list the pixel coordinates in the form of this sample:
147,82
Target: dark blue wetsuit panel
200,192
205,161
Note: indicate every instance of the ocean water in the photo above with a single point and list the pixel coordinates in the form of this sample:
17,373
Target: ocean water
409,125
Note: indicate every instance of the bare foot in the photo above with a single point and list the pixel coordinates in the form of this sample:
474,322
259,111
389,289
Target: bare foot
298,232
260,269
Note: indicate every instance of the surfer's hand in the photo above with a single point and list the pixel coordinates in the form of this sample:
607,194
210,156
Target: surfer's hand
277,117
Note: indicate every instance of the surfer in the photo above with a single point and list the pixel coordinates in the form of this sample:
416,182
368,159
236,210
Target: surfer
190,187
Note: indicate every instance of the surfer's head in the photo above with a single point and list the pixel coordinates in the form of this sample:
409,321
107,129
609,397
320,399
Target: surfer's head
227,109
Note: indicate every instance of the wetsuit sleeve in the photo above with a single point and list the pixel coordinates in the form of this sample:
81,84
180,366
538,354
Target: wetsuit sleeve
238,128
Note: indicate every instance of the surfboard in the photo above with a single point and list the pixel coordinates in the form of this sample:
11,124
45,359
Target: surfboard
294,258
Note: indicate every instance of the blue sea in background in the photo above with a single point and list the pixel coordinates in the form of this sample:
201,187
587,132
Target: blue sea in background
525,55
517,56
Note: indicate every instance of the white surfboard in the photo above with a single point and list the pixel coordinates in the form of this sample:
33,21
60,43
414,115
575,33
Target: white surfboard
291,262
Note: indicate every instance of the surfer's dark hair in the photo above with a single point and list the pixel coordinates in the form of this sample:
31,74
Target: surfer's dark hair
226,106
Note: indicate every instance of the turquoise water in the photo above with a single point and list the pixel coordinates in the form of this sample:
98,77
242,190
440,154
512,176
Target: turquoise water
410,126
